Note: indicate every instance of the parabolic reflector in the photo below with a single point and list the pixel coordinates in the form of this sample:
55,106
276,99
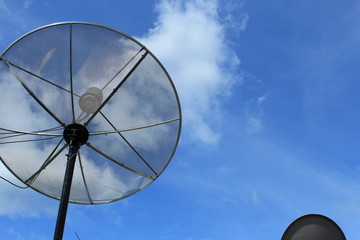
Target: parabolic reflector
101,79
313,227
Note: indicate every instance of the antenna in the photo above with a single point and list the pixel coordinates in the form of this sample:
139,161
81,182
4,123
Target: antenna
313,227
96,92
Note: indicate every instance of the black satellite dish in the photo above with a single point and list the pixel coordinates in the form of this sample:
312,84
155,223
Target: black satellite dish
313,227
96,92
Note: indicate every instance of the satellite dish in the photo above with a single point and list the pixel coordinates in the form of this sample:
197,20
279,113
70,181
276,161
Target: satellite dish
313,227
95,94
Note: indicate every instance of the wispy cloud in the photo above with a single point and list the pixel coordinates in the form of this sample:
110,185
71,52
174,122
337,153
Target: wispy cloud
254,113
27,4
15,20
232,13
4,7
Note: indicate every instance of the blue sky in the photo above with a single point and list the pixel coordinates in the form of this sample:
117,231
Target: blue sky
269,93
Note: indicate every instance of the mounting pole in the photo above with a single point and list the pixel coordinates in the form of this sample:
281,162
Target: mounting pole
60,222
75,135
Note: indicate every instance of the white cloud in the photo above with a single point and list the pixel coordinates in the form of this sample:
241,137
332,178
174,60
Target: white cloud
189,38
22,203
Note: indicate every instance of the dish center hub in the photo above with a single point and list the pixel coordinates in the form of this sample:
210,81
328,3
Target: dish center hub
75,134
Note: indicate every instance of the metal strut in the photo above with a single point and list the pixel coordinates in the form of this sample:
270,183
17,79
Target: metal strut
75,135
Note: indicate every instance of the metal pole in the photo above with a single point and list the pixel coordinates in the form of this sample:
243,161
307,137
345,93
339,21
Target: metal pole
69,172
